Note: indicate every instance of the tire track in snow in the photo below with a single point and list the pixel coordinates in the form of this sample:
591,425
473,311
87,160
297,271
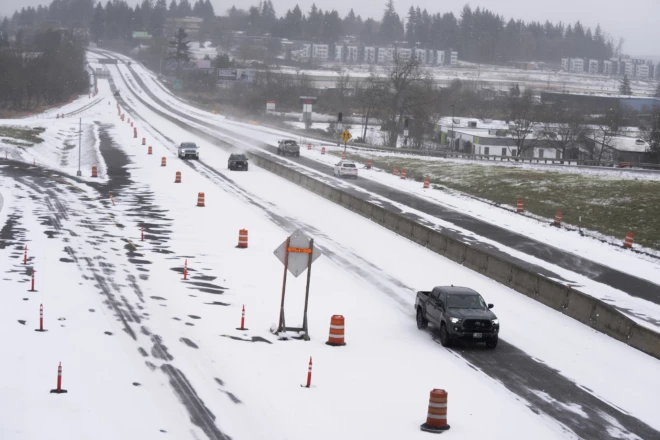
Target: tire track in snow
607,423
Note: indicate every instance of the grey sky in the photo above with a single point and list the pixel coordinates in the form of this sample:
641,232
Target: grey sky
634,20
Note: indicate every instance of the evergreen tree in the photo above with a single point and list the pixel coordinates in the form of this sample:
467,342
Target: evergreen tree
210,12
410,25
158,17
180,49
184,10
173,12
391,28
97,28
624,86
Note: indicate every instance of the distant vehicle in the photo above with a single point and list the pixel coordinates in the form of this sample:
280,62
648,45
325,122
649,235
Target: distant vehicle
288,148
459,313
188,149
346,168
237,161
116,93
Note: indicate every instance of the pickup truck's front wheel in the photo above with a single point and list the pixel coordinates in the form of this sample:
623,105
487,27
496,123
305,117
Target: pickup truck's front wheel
445,340
422,322
492,343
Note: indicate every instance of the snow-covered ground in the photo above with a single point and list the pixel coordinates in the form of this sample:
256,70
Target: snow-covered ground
196,376
643,311
495,77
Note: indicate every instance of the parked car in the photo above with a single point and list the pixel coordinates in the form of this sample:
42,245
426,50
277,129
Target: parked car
288,147
459,313
346,168
188,149
237,161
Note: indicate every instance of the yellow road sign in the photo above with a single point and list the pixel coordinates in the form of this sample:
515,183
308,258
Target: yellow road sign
346,136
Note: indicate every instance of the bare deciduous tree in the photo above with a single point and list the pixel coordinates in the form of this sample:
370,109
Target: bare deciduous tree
397,87
523,122
566,133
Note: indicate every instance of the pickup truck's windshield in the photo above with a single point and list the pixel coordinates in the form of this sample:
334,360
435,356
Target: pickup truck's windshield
458,301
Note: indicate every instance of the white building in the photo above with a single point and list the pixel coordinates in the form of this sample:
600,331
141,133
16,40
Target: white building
352,54
453,60
440,58
385,55
404,53
370,54
629,68
593,67
320,52
641,70
564,64
576,65
339,53
607,67
420,55
306,50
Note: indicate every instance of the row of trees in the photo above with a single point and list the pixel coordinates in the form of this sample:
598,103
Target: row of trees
479,35
48,69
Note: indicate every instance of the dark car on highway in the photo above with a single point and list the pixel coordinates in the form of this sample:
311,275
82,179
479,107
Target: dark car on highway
237,161
459,313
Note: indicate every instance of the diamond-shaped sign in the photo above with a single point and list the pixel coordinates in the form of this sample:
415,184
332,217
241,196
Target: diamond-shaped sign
298,261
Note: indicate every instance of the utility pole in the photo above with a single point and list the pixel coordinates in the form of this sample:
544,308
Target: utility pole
452,127
79,173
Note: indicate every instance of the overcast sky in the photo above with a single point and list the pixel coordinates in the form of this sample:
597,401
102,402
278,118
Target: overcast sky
634,20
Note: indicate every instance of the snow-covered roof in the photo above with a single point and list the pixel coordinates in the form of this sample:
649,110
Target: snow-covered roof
624,143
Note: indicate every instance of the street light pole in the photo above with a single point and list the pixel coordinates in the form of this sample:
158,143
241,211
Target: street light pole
79,173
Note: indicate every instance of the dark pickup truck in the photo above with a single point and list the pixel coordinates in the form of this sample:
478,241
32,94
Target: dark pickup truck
237,161
459,313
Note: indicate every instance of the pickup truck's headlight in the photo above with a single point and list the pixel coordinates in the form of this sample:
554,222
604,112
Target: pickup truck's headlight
496,322
454,320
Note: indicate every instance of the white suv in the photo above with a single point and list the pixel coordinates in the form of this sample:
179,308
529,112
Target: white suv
346,168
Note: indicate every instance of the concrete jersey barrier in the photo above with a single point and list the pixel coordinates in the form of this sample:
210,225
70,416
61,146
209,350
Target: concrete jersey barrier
571,302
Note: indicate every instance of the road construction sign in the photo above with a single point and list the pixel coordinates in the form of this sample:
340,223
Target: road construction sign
346,136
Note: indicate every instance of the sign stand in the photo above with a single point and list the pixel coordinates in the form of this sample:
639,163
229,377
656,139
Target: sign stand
303,257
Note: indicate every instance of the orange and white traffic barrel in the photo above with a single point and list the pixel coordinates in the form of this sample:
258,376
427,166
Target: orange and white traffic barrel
630,238
242,239
558,217
520,206
336,337
436,418
200,200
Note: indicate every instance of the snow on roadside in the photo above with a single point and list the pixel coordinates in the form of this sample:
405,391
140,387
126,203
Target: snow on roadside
642,311
561,342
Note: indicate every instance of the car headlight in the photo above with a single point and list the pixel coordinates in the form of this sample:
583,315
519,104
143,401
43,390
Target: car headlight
454,320
496,322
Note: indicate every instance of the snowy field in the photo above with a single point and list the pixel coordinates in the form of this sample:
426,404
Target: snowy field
161,357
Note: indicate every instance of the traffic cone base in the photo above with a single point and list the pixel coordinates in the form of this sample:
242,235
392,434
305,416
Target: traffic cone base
58,391
437,429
